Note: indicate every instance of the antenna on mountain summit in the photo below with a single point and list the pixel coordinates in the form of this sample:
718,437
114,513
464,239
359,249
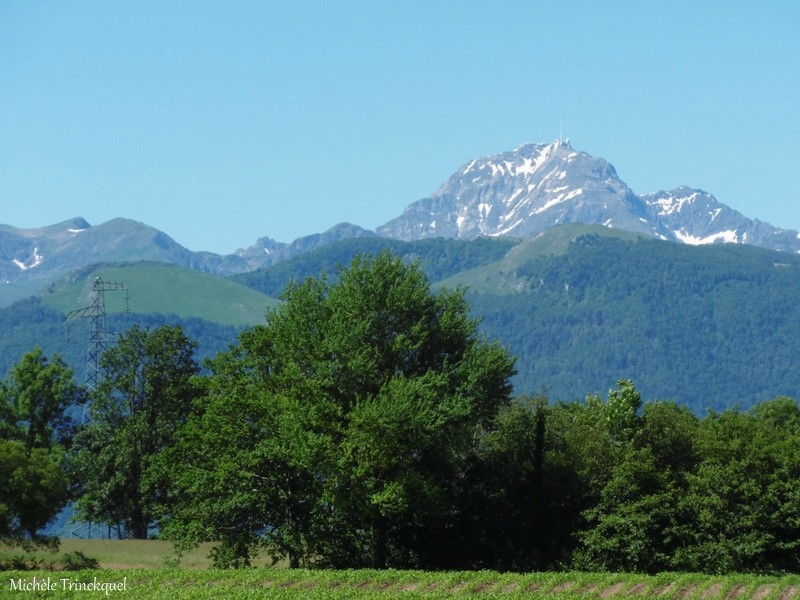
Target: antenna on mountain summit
561,140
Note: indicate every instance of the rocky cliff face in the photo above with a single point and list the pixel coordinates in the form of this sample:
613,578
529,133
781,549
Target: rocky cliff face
523,192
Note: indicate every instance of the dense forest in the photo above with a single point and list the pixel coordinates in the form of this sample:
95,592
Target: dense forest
29,323
439,258
368,422
711,327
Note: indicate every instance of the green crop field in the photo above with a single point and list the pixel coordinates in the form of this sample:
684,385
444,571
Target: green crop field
136,569
285,583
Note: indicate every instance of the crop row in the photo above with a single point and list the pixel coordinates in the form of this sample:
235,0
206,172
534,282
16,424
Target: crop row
258,583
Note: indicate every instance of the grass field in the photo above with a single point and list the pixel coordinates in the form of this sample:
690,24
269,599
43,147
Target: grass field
166,289
136,570
124,554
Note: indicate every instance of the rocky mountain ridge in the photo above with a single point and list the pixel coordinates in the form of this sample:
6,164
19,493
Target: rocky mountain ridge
525,191
519,193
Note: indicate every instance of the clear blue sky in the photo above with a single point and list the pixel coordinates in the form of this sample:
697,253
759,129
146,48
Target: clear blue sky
222,122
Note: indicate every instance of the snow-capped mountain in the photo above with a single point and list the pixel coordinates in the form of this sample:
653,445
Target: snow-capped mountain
518,193
31,259
523,192
693,216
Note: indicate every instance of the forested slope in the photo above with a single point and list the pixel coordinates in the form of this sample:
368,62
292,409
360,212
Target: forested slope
29,323
710,327
439,258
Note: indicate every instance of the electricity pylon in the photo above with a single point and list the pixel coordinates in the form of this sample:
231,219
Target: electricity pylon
99,336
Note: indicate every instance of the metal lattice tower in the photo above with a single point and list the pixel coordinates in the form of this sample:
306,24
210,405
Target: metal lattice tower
99,339
99,336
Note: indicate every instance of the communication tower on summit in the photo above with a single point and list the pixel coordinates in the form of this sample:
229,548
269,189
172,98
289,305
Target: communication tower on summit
99,336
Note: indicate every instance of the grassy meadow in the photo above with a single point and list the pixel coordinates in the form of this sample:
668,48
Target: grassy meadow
139,569
165,289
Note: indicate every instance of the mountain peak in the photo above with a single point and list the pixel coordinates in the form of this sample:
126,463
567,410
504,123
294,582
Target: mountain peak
521,193
78,224
536,186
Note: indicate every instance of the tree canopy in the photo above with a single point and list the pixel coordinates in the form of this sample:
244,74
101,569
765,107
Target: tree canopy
335,433
145,393
366,423
34,434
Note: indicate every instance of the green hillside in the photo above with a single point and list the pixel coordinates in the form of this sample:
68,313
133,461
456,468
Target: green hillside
163,289
501,277
580,307
212,310
583,306
439,257
711,327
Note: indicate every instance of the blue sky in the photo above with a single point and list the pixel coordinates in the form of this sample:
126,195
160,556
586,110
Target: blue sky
222,122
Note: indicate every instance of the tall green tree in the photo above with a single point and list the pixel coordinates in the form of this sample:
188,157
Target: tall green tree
146,391
356,405
631,526
34,398
34,430
741,506
505,508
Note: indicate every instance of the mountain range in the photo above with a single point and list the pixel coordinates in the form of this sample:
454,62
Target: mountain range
528,190
519,193
581,278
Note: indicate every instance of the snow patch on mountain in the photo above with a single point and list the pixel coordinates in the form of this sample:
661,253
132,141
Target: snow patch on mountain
728,236
535,186
35,261
669,205
516,193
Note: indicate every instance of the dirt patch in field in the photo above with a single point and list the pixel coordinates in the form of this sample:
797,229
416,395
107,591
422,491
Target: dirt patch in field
432,587
686,592
736,591
762,592
663,590
612,590
589,588
484,587
789,593
712,591
563,587
409,587
637,590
